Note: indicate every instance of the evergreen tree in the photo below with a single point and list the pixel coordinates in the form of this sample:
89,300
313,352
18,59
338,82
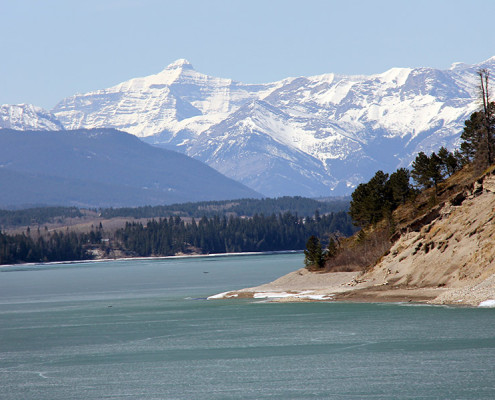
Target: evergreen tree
359,205
472,135
486,153
478,136
477,139
450,162
420,170
399,186
220,235
370,201
313,255
427,171
332,249
435,170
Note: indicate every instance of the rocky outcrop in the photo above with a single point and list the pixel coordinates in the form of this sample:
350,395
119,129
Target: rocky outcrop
452,248
445,256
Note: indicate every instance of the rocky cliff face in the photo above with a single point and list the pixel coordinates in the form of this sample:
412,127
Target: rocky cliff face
444,256
453,249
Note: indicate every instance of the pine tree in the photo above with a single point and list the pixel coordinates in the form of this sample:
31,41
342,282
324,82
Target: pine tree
313,255
370,201
420,168
331,249
399,186
478,136
487,151
435,170
359,205
427,171
472,135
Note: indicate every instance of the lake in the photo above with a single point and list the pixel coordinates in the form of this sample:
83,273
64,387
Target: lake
143,329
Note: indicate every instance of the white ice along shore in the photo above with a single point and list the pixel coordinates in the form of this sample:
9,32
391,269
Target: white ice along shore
300,285
487,304
304,295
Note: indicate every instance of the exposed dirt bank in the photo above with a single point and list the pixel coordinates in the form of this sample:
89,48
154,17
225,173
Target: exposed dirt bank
447,259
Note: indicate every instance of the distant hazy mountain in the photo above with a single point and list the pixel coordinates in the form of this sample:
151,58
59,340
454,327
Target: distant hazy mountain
311,136
103,167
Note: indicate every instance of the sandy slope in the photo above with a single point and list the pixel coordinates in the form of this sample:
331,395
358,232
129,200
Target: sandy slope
455,252
450,260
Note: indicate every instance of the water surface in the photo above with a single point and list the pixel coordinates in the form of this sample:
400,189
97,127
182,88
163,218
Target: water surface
144,330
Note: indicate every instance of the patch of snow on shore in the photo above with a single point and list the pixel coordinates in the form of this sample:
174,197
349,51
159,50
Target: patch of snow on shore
305,295
487,304
224,295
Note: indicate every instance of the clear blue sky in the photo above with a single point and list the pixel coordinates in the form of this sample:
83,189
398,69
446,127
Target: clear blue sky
52,49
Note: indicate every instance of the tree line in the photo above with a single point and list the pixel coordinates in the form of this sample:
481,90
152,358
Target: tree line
37,215
381,195
170,236
240,207
56,246
233,234
477,144
376,199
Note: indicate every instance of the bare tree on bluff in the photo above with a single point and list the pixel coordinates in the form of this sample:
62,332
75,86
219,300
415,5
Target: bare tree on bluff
479,131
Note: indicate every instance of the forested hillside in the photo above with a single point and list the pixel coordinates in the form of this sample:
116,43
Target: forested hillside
242,207
56,246
233,234
165,237
37,215
103,168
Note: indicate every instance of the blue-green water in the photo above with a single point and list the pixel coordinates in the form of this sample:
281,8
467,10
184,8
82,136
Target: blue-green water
144,330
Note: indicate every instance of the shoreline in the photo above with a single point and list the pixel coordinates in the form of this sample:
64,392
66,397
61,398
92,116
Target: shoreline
444,257
181,256
305,286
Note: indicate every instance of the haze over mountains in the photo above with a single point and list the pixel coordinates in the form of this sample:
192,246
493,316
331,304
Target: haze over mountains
103,168
310,136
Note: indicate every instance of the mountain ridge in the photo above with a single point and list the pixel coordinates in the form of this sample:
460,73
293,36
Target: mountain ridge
334,129
103,167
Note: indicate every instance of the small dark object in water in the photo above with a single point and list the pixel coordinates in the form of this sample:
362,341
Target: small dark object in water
205,272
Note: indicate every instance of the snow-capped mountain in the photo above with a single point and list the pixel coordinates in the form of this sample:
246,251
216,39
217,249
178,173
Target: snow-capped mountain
27,116
309,136
175,99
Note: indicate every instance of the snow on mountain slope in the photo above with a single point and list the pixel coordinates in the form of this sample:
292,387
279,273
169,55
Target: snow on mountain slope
27,116
244,147
316,135
176,98
349,126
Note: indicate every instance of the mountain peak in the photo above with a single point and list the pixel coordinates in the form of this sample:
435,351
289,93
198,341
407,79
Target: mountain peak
488,62
27,117
181,63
